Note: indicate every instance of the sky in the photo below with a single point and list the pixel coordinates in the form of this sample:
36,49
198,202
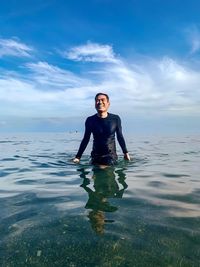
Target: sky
55,55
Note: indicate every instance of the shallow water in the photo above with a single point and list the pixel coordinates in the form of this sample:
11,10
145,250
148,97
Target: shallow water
142,213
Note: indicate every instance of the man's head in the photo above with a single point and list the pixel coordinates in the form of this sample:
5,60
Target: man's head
100,94
102,102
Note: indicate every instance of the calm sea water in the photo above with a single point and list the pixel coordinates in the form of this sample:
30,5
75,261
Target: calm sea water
142,213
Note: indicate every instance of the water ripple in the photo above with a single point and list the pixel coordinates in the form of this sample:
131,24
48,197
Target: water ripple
132,212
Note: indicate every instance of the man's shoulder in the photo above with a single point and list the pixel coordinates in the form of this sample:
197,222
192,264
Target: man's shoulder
91,118
114,116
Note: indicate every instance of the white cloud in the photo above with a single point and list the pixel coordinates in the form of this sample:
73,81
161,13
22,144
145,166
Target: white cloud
147,86
91,52
47,90
193,36
12,47
53,77
2,123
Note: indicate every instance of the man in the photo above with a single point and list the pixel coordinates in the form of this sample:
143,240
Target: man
103,126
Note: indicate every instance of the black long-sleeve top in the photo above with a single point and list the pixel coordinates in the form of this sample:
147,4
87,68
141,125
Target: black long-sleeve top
103,130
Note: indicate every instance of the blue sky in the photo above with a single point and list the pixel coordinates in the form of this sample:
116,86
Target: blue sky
56,55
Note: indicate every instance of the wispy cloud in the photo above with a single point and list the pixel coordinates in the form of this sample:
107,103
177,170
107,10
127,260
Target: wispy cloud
91,52
12,47
149,85
53,77
45,89
193,36
154,85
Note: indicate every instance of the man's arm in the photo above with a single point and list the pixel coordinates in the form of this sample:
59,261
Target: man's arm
84,142
127,156
121,140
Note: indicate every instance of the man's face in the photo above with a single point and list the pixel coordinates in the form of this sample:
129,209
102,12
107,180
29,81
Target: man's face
101,103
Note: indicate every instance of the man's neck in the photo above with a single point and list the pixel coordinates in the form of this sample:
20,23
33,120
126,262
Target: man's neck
102,114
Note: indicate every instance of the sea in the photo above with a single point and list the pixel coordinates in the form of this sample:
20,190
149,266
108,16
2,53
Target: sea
142,213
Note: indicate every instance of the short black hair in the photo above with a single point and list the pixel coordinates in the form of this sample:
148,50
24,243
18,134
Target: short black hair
101,94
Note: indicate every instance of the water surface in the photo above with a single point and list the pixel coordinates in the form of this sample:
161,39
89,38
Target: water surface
142,213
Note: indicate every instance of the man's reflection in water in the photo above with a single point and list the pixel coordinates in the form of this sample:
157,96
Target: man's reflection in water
106,183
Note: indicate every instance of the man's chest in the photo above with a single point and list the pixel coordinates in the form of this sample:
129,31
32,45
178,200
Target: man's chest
105,128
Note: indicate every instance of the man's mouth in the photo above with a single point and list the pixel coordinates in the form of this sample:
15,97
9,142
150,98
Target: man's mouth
100,106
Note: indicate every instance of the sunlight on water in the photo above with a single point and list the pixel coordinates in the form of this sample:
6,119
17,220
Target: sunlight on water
140,213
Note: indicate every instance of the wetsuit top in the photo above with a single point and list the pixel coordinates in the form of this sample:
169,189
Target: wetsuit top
103,130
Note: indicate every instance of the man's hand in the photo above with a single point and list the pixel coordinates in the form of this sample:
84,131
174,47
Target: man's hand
76,160
126,156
